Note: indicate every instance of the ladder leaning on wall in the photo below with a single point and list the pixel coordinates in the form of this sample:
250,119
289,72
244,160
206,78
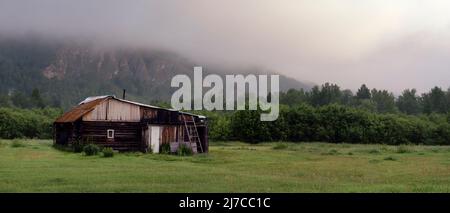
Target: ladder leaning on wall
191,129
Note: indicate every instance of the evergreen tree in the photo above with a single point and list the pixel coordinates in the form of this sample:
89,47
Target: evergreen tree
36,99
384,101
408,102
363,92
435,101
20,100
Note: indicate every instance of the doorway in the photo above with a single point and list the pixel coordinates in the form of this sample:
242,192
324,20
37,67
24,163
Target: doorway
155,138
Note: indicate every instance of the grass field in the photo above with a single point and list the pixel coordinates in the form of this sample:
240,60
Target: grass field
34,166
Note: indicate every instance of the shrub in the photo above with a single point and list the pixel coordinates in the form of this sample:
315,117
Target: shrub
77,146
336,123
29,123
390,158
165,148
404,149
184,150
91,149
280,146
108,152
17,143
374,151
219,126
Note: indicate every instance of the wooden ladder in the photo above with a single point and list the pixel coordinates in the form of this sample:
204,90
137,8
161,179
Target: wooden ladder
191,129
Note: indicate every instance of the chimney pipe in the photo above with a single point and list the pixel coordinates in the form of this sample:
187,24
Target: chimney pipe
123,96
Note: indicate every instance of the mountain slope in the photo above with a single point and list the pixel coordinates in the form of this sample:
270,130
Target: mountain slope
66,72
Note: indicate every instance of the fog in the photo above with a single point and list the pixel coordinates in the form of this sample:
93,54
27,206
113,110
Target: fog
386,44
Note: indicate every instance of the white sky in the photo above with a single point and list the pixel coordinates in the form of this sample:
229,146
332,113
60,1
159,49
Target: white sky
389,44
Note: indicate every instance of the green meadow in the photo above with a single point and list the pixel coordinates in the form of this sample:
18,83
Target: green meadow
35,166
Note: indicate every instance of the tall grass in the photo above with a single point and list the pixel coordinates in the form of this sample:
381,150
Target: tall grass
405,149
16,143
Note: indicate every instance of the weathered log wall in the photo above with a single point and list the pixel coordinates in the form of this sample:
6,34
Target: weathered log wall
127,135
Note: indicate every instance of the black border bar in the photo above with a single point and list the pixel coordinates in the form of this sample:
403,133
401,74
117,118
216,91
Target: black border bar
274,201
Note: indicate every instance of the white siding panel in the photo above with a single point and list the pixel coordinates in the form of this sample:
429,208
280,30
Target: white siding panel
98,113
121,111
113,110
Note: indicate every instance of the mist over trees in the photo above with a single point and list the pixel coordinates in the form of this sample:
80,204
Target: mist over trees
380,101
19,99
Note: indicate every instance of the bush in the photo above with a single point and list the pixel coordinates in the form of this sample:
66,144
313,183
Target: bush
17,143
390,158
77,146
165,148
108,152
280,146
374,151
184,150
340,124
29,123
404,149
219,126
91,149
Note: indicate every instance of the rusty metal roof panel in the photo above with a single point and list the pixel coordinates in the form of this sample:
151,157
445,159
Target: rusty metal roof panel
78,111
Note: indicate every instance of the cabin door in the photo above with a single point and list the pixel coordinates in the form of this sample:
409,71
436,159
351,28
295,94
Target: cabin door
155,138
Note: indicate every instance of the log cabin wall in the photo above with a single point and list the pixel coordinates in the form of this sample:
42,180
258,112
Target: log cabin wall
126,135
63,133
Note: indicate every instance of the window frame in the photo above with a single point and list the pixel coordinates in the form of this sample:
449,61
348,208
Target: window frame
108,133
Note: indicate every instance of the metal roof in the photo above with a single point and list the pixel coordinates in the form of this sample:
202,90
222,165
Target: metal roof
90,103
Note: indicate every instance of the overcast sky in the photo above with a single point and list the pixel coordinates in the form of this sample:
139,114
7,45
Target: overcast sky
391,44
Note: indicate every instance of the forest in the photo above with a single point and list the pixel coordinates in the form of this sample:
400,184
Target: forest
325,113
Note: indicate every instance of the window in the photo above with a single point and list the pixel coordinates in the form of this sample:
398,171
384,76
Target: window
110,133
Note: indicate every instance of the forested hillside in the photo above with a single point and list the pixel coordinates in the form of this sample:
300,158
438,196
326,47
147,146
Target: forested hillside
64,73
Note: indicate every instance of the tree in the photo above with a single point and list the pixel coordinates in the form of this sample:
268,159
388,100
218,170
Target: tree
384,101
435,101
363,92
347,97
4,101
314,96
326,94
20,100
301,123
36,99
408,102
331,93
246,125
293,97
368,105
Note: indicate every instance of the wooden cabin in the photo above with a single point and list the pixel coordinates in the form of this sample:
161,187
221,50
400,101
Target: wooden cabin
129,126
